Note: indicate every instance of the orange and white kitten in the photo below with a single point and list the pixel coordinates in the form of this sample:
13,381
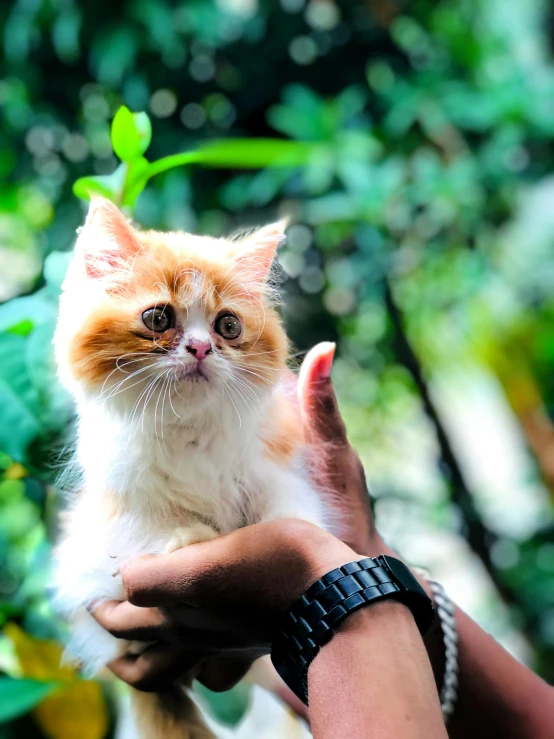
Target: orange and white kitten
176,358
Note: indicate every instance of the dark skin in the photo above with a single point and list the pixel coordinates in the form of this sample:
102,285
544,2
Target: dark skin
211,613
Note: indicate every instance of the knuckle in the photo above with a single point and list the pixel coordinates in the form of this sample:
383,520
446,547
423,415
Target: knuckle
133,587
296,532
133,576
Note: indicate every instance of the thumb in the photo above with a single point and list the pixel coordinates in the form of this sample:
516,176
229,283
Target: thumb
166,579
318,403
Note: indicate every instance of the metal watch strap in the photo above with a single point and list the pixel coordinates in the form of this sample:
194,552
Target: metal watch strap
446,613
310,622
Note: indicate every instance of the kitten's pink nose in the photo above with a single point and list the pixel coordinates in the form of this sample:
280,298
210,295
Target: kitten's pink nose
198,348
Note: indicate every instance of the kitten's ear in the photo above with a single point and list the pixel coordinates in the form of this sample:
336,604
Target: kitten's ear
255,253
107,241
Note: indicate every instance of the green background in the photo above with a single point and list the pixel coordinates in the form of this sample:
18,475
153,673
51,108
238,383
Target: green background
422,241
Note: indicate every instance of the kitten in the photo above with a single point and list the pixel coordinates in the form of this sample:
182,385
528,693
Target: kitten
176,357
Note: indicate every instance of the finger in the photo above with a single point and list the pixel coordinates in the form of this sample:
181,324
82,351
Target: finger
223,673
126,621
318,402
157,667
166,580
220,575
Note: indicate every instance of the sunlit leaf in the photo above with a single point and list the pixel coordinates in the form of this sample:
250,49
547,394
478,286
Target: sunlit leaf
136,180
254,153
77,709
84,187
110,186
241,154
38,658
15,471
17,697
131,134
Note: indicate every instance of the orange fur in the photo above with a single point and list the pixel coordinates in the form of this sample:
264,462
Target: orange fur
205,463
286,434
165,272
169,715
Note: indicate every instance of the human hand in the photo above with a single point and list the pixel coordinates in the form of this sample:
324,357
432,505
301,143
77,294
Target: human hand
224,653
224,596
342,473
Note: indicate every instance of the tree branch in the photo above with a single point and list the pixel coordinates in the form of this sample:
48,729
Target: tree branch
479,538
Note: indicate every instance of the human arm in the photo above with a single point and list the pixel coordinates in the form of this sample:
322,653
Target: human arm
497,695
373,677
377,671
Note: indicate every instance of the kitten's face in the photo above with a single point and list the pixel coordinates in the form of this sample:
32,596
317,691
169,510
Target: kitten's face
168,322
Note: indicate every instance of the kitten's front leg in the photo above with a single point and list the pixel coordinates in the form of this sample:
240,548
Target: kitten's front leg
291,495
186,535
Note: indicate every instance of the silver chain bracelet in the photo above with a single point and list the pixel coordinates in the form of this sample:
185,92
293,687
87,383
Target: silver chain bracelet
447,618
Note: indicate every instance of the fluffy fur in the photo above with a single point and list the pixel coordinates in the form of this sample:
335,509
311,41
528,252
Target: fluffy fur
169,454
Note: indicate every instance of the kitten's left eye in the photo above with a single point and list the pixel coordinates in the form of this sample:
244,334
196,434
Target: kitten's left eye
228,326
159,319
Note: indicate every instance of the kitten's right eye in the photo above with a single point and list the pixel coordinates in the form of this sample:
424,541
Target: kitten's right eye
159,319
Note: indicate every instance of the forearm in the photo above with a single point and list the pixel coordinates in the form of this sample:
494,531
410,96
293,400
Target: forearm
497,695
374,680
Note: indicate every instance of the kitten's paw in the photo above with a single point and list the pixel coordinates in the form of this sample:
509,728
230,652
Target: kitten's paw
193,534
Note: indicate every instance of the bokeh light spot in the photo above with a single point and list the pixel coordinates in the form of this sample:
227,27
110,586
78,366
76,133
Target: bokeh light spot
322,15
163,103
303,50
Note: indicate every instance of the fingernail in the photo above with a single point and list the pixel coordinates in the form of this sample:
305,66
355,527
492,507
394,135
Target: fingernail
326,359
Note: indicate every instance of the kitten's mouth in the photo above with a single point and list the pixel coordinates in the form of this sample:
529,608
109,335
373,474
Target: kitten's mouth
196,373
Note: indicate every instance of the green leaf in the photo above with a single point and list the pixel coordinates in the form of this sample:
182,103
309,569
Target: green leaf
255,153
137,177
19,426
241,154
131,134
228,707
110,186
23,328
17,697
16,314
84,187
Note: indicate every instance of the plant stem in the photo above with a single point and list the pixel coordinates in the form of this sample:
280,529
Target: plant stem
170,162
479,537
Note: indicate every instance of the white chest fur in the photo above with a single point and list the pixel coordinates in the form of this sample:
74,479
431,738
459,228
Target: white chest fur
142,483
212,466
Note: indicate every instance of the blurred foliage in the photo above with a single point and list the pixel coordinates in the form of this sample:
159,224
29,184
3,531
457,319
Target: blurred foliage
414,148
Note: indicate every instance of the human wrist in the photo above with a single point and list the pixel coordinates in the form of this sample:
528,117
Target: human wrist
319,552
382,640
313,618
382,619
373,545
433,639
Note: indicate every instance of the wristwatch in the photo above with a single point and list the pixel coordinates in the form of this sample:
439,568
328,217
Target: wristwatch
310,622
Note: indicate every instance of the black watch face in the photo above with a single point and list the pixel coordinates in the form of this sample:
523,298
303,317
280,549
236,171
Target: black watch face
402,574
419,602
